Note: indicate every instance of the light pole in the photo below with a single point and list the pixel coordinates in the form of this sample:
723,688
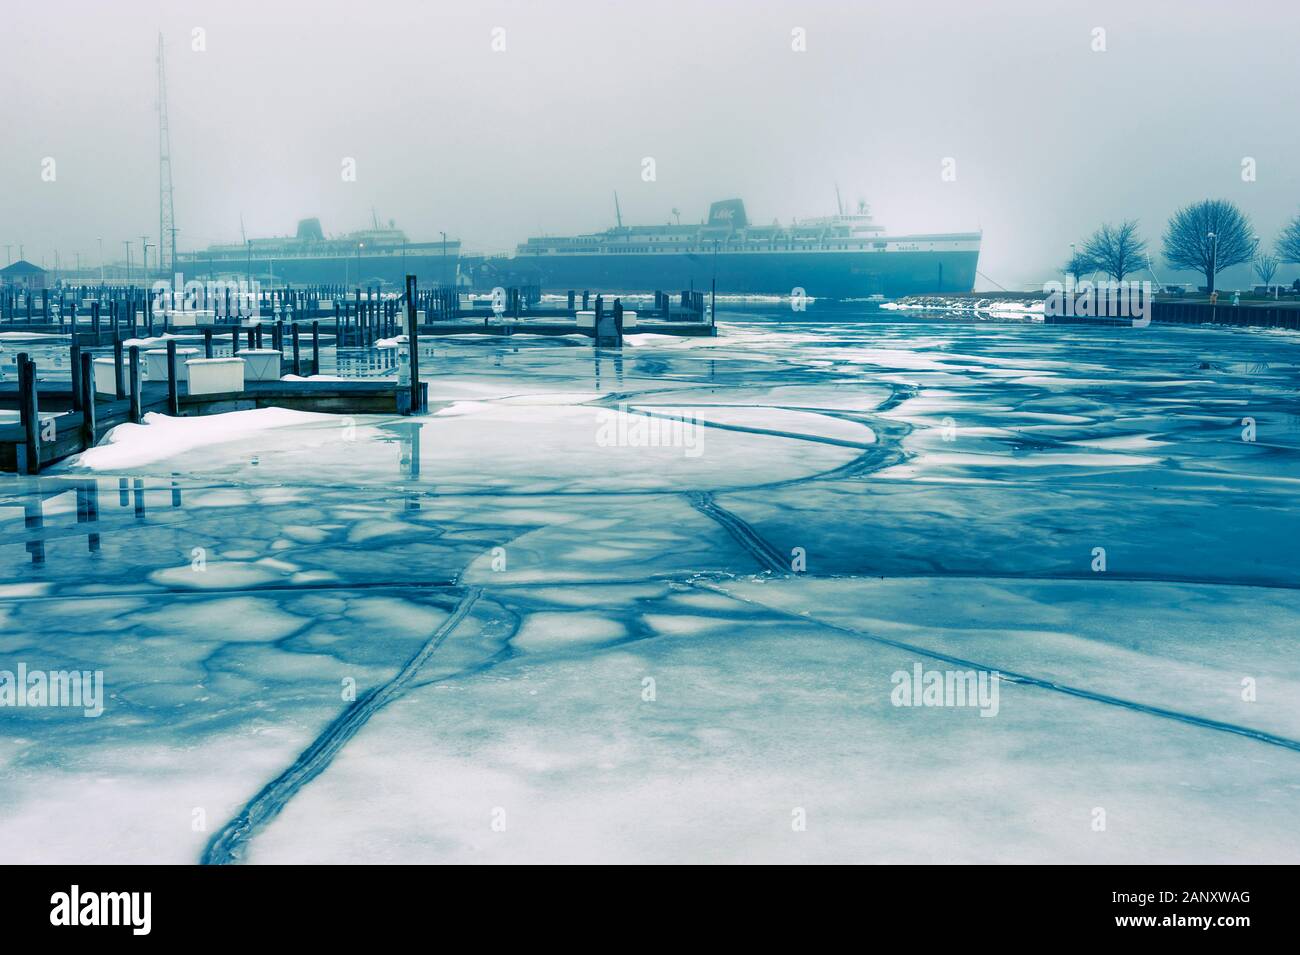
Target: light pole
713,297
127,245
100,239
444,256
1214,261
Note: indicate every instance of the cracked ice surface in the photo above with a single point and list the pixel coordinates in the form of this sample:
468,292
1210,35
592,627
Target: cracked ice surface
947,483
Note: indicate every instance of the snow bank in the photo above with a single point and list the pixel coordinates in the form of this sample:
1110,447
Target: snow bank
160,436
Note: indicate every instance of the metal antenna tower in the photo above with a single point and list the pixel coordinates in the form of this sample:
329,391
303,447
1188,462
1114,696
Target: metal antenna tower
166,213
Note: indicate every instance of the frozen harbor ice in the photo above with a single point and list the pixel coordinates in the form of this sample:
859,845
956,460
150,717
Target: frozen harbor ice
653,606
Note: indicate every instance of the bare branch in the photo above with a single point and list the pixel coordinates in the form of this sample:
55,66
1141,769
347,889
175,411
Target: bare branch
1117,250
1208,237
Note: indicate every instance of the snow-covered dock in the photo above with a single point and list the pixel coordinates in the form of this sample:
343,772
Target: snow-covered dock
64,432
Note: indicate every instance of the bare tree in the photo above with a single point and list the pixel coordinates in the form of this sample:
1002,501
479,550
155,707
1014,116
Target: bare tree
1208,237
1117,250
1079,266
1288,243
1266,267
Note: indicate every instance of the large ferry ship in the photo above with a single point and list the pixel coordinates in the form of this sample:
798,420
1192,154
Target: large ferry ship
843,256
369,256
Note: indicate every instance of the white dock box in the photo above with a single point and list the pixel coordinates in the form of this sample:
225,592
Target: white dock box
106,377
261,364
586,319
155,368
214,376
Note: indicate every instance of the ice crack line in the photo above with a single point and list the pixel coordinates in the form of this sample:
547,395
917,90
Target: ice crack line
229,844
746,536
1011,676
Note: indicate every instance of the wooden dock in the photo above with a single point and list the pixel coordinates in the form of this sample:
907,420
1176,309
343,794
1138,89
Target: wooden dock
1163,312
490,325
71,432
60,421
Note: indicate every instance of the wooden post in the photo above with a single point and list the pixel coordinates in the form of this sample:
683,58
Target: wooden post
234,339
119,378
88,402
74,367
413,344
297,362
29,412
207,343
315,347
135,384
173,393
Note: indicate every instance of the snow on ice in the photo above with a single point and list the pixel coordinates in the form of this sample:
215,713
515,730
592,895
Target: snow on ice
660,656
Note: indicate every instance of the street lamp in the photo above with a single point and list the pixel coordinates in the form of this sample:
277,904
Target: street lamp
100,239
1214,260
444,258
713,296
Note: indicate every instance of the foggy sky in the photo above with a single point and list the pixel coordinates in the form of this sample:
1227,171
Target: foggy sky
1049,137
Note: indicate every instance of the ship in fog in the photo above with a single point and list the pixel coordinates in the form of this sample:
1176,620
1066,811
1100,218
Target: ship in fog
842,256
374,256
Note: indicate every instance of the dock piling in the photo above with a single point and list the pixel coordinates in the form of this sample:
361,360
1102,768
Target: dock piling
119,379
135,382
74,366
88,398
413,343
173,393
29,411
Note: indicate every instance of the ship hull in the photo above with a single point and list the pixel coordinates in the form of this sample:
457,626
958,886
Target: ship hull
820,274
429,270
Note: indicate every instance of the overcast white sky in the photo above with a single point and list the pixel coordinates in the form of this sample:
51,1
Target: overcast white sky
1049,137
